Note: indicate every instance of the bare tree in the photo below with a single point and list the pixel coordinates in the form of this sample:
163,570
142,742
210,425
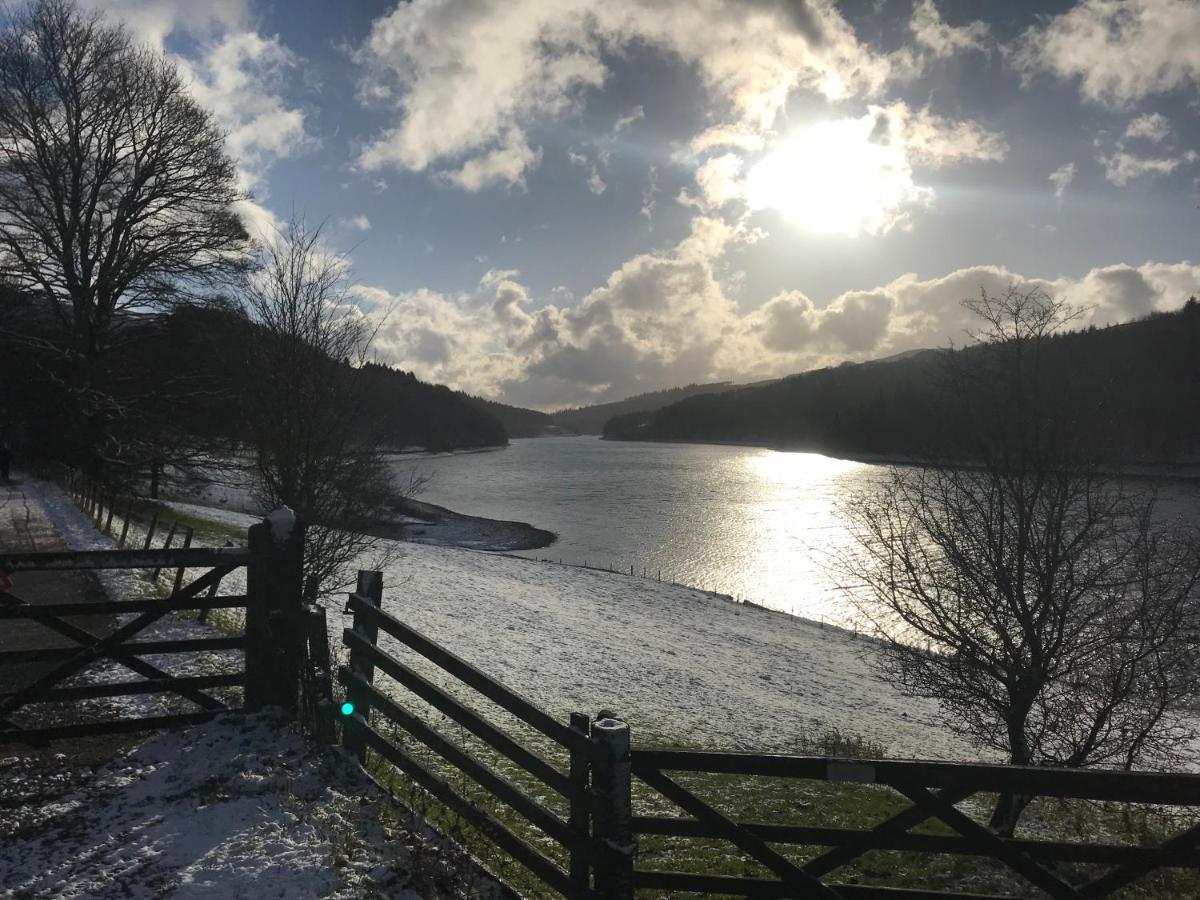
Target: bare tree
1048,607
116,194
317,443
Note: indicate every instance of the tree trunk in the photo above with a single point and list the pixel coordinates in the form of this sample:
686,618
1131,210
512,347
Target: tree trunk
1007,813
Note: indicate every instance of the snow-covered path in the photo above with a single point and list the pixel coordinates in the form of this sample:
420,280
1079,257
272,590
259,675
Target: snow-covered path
237,808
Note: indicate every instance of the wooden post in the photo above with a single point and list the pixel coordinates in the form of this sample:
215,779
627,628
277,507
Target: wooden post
370,589
150,532
318,675
166,546
187,542
612,789
125,524
274,625
579,819
112,508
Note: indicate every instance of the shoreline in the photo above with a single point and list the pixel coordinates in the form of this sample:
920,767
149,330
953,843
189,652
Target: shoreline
428,523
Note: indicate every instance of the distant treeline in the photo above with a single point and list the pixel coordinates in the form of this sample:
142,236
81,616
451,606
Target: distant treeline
591,419
186,373
1135,392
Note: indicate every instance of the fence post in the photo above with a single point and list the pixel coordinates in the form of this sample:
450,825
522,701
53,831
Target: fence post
187,543
166,546
579,819
125,524
613,793
274,628
370,589
150,530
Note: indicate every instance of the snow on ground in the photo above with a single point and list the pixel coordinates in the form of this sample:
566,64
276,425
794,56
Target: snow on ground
677,663
239,807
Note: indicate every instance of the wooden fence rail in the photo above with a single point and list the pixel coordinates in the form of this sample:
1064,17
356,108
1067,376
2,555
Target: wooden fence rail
270,673
600,835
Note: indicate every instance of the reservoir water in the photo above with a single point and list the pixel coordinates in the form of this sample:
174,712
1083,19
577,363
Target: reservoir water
757,524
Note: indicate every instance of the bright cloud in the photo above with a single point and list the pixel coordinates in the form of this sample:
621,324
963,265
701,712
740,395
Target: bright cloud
235,72
1120,50
466,79
1121,167
664,319
855,176
944,40
1061,178
1152,127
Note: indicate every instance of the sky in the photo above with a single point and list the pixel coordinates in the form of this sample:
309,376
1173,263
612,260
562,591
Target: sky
558,202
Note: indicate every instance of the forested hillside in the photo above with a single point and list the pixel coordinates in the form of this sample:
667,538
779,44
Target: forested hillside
1135,389
591,419
518,422
184,377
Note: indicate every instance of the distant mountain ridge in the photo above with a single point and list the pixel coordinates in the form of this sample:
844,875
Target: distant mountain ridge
1139,384
591,419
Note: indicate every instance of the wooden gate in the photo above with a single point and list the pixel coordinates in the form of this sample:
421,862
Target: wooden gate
367,660
607,782
934,790
271,658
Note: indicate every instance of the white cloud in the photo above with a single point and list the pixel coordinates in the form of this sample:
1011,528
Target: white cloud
1121,167
941,39
358,222
465,80
1061,178
935,141
232,70
1152,127
1120,50
666,318
856,176
237,77
504,164
595,182
719,181
634,115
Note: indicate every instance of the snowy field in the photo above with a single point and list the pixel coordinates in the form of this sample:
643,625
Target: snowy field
679,664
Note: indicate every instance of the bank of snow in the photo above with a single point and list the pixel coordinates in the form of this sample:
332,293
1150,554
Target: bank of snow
677,663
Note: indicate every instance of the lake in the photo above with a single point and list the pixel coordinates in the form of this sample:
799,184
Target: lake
757,524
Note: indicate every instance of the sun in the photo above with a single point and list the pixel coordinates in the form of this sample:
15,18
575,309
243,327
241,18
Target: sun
836,177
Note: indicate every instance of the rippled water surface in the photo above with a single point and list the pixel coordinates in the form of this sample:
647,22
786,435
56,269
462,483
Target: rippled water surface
757,524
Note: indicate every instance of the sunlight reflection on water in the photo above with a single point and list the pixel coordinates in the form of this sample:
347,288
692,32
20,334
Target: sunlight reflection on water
754,523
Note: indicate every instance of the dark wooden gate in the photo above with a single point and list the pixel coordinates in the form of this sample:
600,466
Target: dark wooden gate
934,789
270,669
607,781
368,659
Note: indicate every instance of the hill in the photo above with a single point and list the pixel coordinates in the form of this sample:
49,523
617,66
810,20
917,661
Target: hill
591,419
1137,387
518,422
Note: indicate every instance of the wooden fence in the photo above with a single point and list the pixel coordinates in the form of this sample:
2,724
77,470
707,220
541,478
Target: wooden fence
272,643
601,832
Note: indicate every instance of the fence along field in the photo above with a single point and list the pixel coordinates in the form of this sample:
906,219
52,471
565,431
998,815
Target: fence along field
570,807
272,564
593,848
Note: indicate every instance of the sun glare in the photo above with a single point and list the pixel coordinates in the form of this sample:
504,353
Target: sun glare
832,178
